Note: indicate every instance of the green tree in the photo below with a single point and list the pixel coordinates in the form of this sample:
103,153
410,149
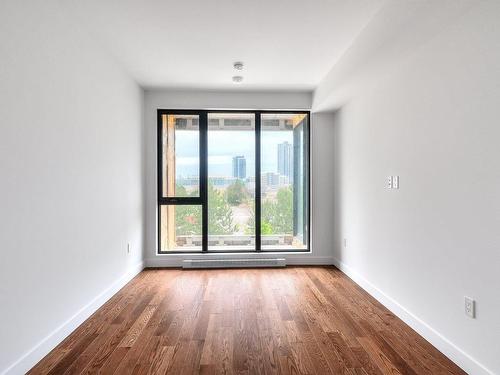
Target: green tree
250,227
220,217
266,226
187,218
278,214
236,193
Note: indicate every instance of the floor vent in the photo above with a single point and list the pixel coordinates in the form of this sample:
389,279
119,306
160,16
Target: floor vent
233,263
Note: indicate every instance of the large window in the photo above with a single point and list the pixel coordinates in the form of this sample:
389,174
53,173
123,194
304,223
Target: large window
233,181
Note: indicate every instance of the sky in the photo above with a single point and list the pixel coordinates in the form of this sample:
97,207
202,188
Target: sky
223,146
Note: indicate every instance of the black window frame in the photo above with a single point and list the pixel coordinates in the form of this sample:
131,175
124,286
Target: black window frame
202,199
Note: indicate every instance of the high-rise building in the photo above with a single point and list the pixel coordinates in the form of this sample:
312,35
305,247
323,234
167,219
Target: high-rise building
239,167
285,160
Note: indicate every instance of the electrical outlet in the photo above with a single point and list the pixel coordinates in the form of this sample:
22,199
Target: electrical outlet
470,307
128,248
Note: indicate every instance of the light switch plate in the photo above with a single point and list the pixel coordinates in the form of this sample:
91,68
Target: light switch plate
395,182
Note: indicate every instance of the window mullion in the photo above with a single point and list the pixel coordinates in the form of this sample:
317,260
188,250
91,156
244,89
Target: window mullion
204,177
257,210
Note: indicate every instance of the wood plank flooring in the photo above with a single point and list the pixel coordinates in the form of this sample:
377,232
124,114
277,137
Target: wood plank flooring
298,320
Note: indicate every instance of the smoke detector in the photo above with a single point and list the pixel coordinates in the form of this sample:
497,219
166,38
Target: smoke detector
238,65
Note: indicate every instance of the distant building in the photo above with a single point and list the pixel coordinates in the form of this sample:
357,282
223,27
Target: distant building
269,179
285,160
239,167
221,182
189,181
272,180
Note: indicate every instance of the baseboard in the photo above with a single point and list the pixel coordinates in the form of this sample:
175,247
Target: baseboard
462,359
453,352
175,260
40,350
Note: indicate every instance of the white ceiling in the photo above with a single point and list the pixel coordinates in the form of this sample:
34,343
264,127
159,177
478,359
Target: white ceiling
285,44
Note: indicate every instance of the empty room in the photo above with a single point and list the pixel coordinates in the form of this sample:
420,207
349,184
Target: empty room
250,187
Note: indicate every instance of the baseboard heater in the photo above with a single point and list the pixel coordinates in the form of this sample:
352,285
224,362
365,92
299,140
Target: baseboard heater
233,263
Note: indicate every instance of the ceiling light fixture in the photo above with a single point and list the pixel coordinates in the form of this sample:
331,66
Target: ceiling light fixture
237,79
238,65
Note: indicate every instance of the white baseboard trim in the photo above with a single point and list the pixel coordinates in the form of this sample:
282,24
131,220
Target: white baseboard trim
453,352
33,356
40,350
175,260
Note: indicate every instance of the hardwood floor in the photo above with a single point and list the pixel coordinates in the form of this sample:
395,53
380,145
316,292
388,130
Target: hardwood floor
298,320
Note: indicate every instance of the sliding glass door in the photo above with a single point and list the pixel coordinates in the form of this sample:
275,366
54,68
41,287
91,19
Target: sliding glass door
233,181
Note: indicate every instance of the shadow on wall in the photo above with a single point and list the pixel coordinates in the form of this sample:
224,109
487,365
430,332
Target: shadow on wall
339,244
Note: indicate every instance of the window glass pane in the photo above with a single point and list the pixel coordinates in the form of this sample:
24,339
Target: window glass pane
284,205
231,181
180,228
181,156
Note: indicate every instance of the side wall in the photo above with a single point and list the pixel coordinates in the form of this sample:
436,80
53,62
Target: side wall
321,155
71,179
430,114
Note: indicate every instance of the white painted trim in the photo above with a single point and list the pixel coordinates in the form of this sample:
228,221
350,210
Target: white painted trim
40,350
457,355
33,356
175,260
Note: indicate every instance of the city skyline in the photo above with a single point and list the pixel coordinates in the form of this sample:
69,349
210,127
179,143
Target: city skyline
233,144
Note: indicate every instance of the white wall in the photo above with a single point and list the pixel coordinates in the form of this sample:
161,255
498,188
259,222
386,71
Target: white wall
322,154
70,166
428,111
